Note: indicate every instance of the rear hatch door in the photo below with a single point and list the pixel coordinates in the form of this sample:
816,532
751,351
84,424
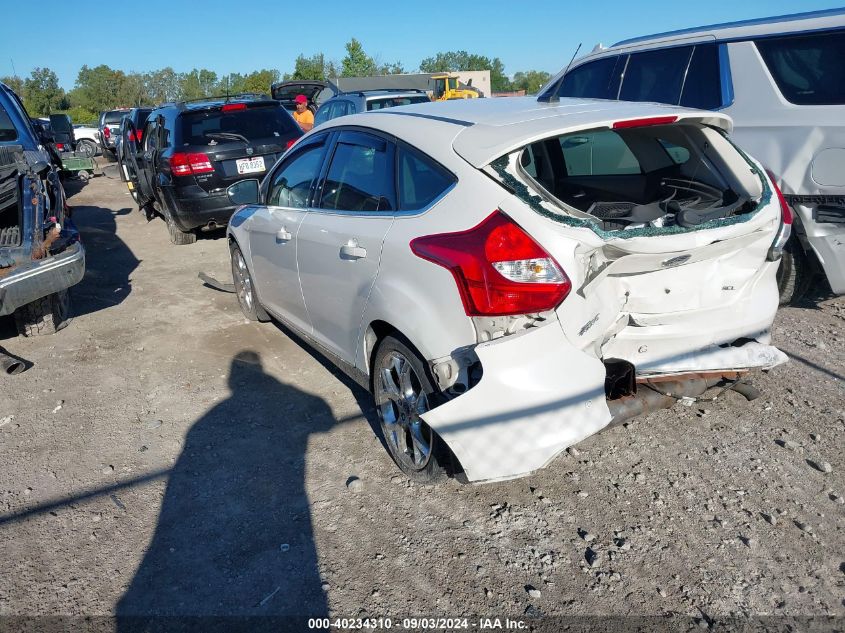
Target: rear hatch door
240,140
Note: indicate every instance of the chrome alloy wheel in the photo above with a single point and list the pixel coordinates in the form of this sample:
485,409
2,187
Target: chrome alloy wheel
243,282
401,400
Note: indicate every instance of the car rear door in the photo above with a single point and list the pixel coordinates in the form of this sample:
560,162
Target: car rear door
273,231
144,159
339,242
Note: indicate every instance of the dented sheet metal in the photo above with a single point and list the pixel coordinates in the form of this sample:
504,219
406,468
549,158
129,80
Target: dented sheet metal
538,395
751,355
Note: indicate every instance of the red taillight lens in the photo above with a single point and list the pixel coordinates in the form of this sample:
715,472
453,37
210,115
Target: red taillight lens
132,136
60,146
233,107
785,211
785,230
290,143
499,269
139,135
184,164
106,132
654,120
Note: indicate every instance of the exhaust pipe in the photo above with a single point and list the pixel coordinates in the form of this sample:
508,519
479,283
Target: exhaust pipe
211,226
11,365
662,395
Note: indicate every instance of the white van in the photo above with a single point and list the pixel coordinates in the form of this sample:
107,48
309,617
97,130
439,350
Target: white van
782,80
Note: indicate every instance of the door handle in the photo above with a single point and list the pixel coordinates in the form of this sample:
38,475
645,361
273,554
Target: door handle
283,235
351,250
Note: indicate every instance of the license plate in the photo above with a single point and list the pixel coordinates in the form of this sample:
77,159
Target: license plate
250,165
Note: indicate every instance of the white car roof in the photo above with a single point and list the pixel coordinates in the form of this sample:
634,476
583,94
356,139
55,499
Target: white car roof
777,25
481,130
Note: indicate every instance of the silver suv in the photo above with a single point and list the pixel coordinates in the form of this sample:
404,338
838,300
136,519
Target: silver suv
781,81
365,100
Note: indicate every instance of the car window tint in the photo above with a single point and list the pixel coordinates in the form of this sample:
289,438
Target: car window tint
389,102
253,123
599,153
420,180
292,182
151,136
595,80
527,161
114,117
702,87
808,69
323,114
360,177
679,155
8,132
656,75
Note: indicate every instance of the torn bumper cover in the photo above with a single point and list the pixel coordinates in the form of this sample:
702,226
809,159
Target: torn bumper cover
33,280
539,395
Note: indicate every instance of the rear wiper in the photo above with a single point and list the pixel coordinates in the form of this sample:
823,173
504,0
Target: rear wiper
227,136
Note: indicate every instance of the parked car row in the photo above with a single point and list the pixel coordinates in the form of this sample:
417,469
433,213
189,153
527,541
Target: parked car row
510,276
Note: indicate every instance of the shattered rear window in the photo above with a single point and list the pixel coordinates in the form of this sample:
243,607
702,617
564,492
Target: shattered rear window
631,182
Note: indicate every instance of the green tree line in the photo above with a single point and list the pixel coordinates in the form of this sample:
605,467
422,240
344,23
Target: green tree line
103,88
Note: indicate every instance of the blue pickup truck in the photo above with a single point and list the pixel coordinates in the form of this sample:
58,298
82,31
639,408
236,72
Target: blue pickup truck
41,255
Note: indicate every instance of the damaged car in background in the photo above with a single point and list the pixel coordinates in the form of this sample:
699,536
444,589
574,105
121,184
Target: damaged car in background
509,277
40,252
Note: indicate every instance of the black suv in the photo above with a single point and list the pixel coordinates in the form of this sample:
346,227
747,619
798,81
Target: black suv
190,152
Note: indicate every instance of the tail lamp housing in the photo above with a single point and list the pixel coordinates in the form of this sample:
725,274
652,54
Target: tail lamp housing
498,268
785,230
190,164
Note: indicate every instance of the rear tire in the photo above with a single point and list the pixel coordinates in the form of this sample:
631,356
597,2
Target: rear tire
86,148
403,389
794,274
177,235
245,287
46,315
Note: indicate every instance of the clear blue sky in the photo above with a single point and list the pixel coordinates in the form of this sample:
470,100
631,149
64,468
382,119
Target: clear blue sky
243,35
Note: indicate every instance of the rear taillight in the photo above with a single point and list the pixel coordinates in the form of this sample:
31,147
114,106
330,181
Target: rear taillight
654,120
233,107
185,164
135,136
290,143
106,132
785,230
139,135
60,146
499,269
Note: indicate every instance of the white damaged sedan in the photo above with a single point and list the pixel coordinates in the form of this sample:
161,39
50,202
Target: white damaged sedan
509,277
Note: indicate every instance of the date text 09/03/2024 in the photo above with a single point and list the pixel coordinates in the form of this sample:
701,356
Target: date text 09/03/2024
416,624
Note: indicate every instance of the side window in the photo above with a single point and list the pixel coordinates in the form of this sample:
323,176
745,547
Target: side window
7,128
808,69
151,136
292,181
420,179
165,139
360,176
703,87
599,153
656,75
595,80
324,114
679,155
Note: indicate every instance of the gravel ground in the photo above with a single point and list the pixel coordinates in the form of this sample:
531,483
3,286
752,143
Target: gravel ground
165,456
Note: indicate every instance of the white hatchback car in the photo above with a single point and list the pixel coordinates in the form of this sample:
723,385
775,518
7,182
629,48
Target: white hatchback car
509,277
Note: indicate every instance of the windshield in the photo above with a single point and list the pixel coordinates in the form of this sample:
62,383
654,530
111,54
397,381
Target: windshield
266,123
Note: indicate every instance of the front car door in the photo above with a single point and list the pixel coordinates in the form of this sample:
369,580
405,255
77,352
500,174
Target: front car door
339,242
273,230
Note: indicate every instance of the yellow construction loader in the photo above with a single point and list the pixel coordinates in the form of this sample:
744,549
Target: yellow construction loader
446,88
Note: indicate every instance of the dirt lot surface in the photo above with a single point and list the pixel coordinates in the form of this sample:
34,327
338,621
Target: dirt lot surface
165,456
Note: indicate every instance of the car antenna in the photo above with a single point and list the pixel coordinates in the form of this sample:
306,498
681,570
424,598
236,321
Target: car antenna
551,94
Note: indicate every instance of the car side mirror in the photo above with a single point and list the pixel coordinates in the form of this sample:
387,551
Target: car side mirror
244,192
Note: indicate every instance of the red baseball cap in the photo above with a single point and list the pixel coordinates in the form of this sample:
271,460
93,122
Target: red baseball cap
301,99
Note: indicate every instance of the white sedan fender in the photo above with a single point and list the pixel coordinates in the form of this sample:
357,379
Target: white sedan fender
537,396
